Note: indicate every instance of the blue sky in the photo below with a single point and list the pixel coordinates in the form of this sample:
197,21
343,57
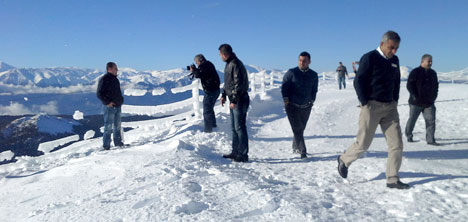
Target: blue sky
161,35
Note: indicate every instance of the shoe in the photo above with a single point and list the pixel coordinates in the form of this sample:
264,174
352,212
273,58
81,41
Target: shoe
434,143
410,140
208,130
230,156
122,145
303,156
241,159
398,185
106,148
342,169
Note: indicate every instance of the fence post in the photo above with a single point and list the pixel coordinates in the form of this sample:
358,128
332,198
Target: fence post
272,79
263,81
196,99
252,81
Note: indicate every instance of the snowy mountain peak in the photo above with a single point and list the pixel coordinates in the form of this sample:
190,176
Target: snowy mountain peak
5,67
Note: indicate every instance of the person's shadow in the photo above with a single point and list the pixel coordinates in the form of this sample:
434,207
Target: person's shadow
426,177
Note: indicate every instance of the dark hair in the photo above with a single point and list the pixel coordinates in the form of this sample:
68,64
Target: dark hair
425,56
306,54
110,65
391,35
225,49
200,58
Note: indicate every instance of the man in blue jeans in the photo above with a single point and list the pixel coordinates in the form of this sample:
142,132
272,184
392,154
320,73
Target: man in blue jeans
109,93
208,75
341,70
236,85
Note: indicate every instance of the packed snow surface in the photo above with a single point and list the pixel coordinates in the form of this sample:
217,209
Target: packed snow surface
172,171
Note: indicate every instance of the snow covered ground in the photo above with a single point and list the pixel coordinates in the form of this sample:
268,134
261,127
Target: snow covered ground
174,172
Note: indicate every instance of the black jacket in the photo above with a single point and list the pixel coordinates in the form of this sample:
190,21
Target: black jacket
423,87
341,70
300,87
208,75
108,90
377,78
236,80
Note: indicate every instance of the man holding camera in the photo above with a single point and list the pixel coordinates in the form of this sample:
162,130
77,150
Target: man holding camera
208,75
236,85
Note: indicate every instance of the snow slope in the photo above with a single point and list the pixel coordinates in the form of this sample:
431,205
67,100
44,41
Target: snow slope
174,172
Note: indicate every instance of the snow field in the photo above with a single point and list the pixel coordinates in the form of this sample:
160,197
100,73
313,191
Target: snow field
174,172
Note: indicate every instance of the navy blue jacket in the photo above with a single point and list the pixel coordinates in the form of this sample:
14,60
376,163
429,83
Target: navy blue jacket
208,75
423,87
377,78
300,87
236,80
108,90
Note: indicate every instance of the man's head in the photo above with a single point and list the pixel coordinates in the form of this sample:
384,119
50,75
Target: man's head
304,60
225,52
341,63
199,59
426,61
390,43
111,67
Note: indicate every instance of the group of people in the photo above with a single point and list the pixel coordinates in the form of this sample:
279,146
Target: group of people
377,85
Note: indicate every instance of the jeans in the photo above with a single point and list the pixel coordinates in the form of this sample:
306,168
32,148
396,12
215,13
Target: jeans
341,80
209,100
240,140
429,115
112,122
298,118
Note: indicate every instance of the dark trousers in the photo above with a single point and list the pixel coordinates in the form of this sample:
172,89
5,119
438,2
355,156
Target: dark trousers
298,118
209,101
240,140
112,122
429,115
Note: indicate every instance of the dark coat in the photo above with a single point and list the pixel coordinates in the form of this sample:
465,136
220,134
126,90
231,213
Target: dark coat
377,78
208,75
423,87
300,87
341,70
236,80
108,90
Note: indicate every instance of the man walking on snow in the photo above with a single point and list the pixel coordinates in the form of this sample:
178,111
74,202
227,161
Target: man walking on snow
377,86
342,74
299,90
423,87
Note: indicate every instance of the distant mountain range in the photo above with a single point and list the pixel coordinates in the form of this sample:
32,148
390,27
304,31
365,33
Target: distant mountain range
63,77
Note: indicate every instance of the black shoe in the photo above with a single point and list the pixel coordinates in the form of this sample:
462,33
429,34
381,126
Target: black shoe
434,143
303,155
410,140
230,156
206,130
342,169
122,145
241,159
398,185
106,148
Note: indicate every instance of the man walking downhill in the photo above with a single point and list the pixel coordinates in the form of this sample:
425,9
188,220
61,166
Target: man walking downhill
423,87
299,90
109,93
208,75
377,86
341,70
236,85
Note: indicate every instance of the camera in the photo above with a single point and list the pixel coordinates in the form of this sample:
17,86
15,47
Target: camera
192,65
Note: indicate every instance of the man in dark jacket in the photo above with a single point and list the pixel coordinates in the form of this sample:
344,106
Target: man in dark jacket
341,70
299,90
236,86
423,87
377,86
208,75
109,93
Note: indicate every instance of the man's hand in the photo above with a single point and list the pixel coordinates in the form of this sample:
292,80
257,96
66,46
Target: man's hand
232,105
191,68
223,100
111,104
